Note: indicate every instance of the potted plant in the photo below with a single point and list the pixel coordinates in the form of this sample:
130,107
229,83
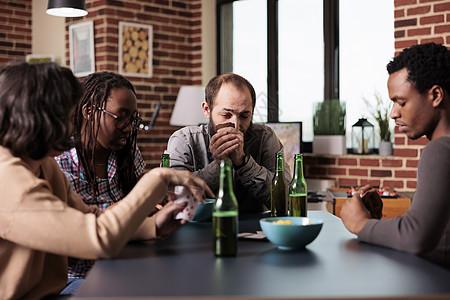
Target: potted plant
329,127
381,115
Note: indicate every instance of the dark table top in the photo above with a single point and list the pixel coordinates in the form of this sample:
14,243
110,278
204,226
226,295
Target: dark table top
335,265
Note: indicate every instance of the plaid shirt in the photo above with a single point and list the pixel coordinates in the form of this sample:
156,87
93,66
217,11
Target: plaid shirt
68,162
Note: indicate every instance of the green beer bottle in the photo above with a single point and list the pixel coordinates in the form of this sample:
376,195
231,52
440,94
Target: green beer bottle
225,215
297,190
165,161
278,192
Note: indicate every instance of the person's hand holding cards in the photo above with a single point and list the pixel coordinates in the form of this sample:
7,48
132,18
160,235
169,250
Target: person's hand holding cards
223,125
183,183
183,195
372,201
364,205
228,142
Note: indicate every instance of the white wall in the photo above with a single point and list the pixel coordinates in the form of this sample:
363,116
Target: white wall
48,33
209,52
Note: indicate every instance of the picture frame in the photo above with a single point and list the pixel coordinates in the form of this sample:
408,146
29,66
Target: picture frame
135,49
39,58
290,135
81,43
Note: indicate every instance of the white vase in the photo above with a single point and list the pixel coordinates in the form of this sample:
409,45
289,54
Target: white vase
385,148
329,144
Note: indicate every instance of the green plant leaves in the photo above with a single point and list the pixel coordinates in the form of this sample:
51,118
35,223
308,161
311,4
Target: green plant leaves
329,118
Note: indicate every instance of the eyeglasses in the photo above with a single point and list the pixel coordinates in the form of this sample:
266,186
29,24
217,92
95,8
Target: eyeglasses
122,122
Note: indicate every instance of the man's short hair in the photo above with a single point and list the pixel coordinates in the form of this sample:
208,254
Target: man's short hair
237,81
35,105
427,65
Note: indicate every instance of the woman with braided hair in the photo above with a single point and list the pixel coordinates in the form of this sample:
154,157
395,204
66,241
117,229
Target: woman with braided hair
112,96
105,163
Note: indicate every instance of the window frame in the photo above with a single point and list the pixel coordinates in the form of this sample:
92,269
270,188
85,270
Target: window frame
331,52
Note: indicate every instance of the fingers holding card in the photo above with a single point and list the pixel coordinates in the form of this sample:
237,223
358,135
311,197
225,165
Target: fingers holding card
182,194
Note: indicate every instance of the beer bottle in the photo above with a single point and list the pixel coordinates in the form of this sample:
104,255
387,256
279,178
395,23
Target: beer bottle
297,190
278,192
165,161
225,215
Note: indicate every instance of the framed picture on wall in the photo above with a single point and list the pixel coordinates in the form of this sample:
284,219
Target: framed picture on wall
39,58
290,135
135,49
81,43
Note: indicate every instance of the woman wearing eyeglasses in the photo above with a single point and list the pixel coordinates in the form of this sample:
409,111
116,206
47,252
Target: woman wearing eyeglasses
105,163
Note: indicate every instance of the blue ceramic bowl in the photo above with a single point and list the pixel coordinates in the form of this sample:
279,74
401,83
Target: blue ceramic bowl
291,236
204,211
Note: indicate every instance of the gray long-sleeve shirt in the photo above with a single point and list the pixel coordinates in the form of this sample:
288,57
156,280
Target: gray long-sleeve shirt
189,150
425,228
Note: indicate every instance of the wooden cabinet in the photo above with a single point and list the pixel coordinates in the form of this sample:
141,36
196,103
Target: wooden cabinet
392,207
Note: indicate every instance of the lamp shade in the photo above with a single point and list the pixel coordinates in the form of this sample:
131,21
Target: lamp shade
188,106
67,8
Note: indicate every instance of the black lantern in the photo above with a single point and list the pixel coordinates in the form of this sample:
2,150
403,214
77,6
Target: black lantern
362,137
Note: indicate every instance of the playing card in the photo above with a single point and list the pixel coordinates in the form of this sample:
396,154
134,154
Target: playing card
182,194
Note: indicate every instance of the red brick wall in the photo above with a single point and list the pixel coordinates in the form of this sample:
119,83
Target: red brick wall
416,22
15,30
421,21
176,56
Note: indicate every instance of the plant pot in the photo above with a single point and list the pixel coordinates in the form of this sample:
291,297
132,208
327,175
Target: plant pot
329,144
385,148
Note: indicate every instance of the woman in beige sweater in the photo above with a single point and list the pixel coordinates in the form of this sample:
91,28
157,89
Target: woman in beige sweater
42,221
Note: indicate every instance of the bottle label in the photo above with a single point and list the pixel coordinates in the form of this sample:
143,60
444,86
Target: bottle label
225,213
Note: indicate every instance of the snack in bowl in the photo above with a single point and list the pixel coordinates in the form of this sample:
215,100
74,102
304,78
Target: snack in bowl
223,125
285,222
288,236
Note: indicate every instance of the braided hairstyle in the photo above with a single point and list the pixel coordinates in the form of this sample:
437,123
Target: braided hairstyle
98,87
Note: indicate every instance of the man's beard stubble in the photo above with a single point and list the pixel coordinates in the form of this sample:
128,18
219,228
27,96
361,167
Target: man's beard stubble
211,129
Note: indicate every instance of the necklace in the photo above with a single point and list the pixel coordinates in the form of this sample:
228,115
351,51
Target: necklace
100,164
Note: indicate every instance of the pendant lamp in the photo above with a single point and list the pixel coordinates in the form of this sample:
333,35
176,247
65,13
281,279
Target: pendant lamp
67,8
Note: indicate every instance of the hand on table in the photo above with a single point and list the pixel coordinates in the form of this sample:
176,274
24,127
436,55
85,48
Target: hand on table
228,142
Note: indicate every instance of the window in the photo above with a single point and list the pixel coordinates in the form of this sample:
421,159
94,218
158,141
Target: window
315,49
366,42
246,47
300,59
